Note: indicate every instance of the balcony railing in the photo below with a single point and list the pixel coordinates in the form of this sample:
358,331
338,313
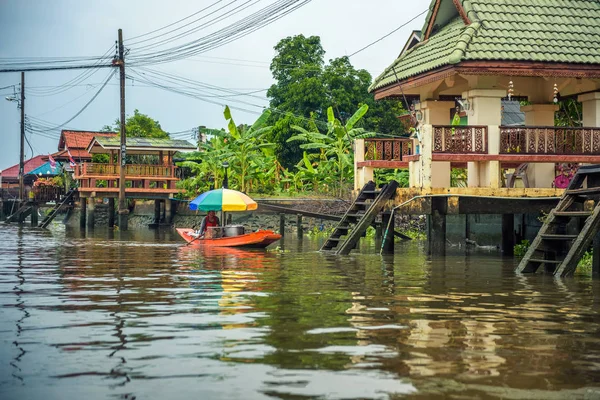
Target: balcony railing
549,140
130,170
387,149
471,139
47,193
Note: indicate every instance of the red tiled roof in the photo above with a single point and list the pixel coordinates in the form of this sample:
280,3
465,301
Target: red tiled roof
30,165
78,154
78,139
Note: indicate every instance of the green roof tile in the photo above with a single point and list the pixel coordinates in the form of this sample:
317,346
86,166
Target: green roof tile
564,31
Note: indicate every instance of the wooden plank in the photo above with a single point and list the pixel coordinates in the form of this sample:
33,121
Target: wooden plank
584,191
558,237
573,214
544,261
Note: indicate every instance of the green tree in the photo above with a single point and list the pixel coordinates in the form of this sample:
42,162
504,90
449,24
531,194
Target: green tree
246,143
138,125
305,87
336,145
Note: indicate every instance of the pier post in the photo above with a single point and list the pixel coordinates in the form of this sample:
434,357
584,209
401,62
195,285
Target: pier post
378,231
157,212
83,213
388,240
34,215
1,207
111,212
168,211
299,225
437,226
508,234
123,219
90,212
282,224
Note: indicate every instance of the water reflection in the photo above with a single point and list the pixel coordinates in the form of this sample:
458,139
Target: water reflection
139,314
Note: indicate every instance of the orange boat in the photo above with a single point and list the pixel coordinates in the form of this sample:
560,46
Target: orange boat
258,239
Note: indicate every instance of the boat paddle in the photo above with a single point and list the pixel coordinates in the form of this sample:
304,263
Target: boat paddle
198,237
192,241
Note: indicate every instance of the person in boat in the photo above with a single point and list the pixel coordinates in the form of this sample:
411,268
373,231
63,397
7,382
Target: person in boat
211,220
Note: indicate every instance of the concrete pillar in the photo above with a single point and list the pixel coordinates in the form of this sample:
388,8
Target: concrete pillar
90,212
486,109
387,246
437,226
34,214
591,109
359,156
432,174
111,212
168,212
83,214
540,175
508,234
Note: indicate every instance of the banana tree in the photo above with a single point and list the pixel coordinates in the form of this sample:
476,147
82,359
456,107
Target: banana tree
246,143
336,144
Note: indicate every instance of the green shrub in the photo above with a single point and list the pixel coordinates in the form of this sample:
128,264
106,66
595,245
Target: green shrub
521,248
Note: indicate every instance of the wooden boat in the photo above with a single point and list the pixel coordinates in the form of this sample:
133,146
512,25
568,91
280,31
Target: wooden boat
258,239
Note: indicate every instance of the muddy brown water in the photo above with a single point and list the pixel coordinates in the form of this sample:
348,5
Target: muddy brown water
113,315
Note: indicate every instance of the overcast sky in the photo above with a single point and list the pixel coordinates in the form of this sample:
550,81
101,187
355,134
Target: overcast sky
64,28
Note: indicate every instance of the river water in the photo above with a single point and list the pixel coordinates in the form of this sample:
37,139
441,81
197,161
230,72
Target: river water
114,315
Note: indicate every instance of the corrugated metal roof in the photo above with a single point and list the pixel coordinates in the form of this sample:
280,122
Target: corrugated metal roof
560,31
149,143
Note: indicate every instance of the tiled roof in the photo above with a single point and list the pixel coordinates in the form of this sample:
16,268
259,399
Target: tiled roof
78,154
558,31
79,139
31,164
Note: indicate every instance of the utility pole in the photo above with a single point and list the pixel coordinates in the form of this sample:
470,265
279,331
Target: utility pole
22,159
123,211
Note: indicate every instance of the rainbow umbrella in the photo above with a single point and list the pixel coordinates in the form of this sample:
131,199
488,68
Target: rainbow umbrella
223,200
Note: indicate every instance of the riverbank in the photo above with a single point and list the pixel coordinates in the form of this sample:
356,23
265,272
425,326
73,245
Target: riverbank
143,215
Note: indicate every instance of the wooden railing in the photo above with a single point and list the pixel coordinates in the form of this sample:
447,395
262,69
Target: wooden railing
549,140
387,149
471,139
45,194
164,171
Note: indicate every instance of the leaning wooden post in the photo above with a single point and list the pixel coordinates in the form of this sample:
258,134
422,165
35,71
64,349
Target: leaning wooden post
387,246
282,224
299,225
34,214
596,256
508,234
437,226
